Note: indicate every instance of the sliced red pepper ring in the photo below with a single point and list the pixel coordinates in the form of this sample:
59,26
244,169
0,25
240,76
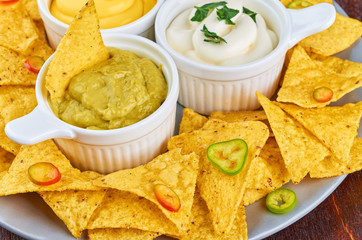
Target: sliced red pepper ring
167,197
228,156
322,94
299,4
281,200
34,63
44,173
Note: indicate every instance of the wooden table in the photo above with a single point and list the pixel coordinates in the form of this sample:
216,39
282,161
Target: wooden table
339,217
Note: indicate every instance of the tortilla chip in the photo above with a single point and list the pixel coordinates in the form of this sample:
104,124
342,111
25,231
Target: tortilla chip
332,166
336,127
41,49
252,195
304,76
17,30
191,120
266,173
31,7
172,169
222,193
300,149
337,65
17,181
237,116
6,142
120,234
91,175
40,46
16,101
201,227
80,48
120,209
341,35
74,207
6,158
13,70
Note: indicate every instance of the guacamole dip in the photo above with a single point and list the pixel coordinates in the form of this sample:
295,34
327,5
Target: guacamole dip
112,94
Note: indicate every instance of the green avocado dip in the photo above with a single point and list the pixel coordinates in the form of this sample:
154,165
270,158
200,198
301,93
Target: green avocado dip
112,94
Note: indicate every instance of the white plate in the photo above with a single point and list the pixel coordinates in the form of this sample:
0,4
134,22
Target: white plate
28,216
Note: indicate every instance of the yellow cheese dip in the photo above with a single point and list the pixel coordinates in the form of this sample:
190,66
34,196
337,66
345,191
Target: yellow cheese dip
111,13
113,94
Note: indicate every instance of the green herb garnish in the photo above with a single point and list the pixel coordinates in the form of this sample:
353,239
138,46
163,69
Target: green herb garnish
211,36
203,11
250,13
227,14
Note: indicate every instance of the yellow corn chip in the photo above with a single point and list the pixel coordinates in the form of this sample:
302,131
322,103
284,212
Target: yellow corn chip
17,181
120,209
172,169
304,76
337,65
40,46
91,175
342,34
80,48
6,142
13,70
41,30
201,227
74,207
16,101
266,173
6,158
191,121
237,116
17,30
332,166
336,127
41,49
300,149
120,234
252,195
222,193
31,7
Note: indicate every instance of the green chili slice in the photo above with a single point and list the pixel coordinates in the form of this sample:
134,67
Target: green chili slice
228,156
299,4
281,200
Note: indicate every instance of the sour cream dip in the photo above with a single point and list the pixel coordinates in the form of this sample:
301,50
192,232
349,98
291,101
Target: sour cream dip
247,39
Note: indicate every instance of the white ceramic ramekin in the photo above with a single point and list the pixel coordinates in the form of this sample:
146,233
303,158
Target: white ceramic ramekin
55,29
105,151
206,88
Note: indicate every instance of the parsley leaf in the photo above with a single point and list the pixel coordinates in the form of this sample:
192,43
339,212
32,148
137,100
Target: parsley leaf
211,36
227,14
203,11
250,13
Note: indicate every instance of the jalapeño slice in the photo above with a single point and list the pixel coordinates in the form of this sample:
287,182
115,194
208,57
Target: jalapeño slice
281,200
299,4
228,156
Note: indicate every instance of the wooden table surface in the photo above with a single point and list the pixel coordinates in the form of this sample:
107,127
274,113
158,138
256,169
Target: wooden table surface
339,217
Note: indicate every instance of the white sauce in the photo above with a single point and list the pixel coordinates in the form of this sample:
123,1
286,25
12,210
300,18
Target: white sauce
246,41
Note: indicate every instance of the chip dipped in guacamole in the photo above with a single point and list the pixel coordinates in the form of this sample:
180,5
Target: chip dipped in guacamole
115,93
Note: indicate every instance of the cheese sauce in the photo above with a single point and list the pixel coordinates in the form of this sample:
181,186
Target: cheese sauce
111,13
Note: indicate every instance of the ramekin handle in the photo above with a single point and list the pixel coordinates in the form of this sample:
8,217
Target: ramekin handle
310,20
36,127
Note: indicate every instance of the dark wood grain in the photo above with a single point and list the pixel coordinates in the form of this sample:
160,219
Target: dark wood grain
339,217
